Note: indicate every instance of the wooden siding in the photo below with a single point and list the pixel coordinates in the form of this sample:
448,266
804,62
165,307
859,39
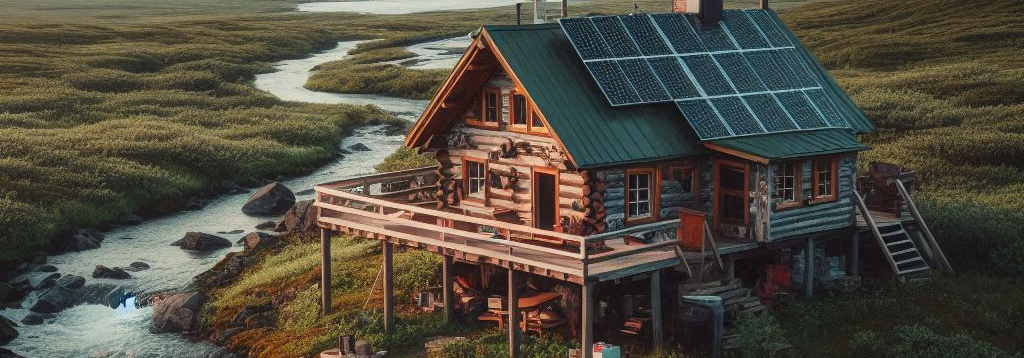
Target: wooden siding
812,218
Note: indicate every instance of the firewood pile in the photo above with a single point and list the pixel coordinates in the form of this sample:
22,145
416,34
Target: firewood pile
736,299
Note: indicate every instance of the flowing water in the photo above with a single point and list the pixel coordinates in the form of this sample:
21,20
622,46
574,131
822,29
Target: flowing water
395,7
99,331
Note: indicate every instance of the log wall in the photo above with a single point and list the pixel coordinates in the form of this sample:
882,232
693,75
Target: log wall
813,218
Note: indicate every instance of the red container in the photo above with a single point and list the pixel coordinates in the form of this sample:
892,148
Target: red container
691,229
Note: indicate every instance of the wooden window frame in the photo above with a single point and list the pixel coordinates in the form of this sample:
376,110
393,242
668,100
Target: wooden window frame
513,112
465,180
653,195
482,121
716,189
694,169
834,178
798,178
535,117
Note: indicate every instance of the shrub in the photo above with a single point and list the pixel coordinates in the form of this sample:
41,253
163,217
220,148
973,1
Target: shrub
403,158
920,342
757,336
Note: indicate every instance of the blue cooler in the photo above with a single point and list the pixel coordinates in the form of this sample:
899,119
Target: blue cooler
717,312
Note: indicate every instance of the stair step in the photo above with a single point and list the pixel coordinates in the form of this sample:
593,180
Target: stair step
912,259
913,270
904,251
894,233
894,243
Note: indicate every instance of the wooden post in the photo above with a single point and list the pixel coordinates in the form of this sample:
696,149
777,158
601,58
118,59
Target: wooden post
587,320
389,286
853,256
763,4
809,270
656,322
565,8
325,272
513,314
446,287
730,268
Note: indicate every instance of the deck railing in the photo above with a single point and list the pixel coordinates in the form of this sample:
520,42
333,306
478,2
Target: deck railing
360,203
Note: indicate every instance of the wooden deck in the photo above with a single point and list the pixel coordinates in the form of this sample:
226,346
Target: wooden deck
351,207
881,218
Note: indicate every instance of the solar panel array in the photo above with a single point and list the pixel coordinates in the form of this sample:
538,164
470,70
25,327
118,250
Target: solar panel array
743,76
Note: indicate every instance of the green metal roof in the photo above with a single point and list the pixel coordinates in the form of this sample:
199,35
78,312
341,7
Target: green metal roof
794,144
595,133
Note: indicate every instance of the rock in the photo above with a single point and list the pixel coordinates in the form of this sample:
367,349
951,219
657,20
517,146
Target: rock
359,147
138,265
225,271
195,203
60,298
7,353
197,241
300,217
113,273
344,151
271,199
47,268
266,225
11,295
177,313
257,240
130,220
7,331
225,336
232,232
43,281
32,319
71,282
309,191
261,320
76,240
126,238
38,258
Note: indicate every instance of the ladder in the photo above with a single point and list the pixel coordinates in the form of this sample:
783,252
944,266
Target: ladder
903,253
897,244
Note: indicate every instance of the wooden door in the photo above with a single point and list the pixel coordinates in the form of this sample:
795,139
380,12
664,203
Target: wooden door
545,199
731,212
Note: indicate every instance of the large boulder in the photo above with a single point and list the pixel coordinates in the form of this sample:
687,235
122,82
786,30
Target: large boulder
227,270
116,273
71,282
177,313
43,281
60,298
7,331
301,217
257,240
76,240
11,295
32,319
197,241
271,199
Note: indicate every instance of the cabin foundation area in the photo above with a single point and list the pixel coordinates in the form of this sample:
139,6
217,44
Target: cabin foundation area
635,183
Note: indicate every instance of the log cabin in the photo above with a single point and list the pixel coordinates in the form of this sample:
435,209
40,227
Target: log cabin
602,152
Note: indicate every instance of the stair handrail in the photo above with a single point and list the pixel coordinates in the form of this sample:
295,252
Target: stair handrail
924,227
874,230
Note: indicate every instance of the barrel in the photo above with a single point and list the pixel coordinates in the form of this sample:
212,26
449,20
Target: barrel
715,312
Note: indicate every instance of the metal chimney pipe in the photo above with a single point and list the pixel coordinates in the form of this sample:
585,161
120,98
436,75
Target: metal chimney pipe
764,4
519,13
565,8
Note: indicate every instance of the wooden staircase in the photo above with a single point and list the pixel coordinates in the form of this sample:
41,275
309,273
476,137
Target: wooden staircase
910,250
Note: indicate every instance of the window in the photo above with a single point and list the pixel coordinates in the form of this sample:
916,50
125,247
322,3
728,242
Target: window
475,175
682,178
824,179
520,111
492,106
537,125
787,183
639,195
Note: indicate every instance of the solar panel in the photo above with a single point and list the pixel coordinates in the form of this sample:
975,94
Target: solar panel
764,22
708,75
769,112
740,72
736,115
645,35
743,30
585,38
703,119
803,113
679,33
647,86
613,82
615,35
742,76
673,77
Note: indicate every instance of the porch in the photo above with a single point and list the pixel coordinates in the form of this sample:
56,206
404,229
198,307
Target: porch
396,208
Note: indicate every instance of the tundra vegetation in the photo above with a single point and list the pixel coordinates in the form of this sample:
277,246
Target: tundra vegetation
109,107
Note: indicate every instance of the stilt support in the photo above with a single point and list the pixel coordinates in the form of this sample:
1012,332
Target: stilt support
446,288
587,320
389,287
730,268
325,272
513,315
809,270
853,256
656,322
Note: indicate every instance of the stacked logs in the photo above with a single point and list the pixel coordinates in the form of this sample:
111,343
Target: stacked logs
449,192
593,203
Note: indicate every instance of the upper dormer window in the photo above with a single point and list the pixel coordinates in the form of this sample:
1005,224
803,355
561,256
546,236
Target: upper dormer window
492,107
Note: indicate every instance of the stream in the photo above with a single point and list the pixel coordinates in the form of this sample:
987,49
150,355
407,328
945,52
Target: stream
101,332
